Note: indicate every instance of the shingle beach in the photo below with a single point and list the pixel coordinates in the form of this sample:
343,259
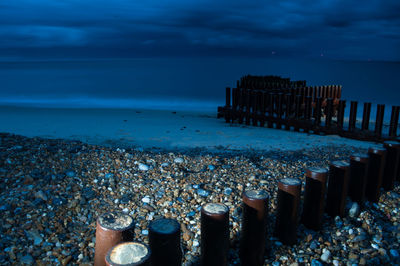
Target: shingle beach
53,190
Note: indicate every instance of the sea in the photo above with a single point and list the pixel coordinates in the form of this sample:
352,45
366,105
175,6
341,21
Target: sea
180,83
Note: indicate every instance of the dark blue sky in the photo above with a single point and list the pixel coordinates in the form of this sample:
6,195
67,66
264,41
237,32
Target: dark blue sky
348,29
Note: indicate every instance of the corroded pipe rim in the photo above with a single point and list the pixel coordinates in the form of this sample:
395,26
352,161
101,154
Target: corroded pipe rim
340,164
360,157
114,254
290,185
164,226
115,221
391,144
377,150
317,173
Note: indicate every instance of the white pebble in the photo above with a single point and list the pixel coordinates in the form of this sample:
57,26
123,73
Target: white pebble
178,160
335,262
80,257
145,232
195,243
325,256
143,167
146,199
351,231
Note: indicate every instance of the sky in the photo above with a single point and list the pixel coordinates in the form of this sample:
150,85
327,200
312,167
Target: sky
342,30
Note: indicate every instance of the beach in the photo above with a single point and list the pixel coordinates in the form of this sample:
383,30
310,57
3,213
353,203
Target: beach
62,168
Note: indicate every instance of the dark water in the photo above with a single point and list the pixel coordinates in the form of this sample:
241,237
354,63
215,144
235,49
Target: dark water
180,83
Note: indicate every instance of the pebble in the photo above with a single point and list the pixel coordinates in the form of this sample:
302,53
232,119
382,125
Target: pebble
143,167
354,210
325,256
178,160
146,199
202,192
28,260
394,253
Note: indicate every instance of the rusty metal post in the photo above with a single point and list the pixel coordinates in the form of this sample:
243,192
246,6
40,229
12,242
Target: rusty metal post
353,116
366,115
391,165
358,177
128,254
314,197
380,111
254,227
214,234
165,242
288,202
112,229
376,166
337,188
394,121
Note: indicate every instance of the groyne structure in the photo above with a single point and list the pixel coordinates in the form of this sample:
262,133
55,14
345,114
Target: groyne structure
279,103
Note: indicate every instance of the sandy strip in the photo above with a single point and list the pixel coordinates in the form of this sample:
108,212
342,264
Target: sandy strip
161,129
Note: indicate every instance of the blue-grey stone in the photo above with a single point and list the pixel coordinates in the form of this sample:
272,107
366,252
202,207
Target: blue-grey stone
5,207
27,259
143,167
191,214
315,262
394,253
178,160
226,166
179,199
276,263
202,192
70,173
109,175
211,167
314,244
195,186
227,191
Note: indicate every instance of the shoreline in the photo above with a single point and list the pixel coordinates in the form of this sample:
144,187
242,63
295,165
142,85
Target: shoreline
163,130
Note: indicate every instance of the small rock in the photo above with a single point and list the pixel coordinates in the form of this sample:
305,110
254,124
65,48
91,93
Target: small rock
28,260
325,256
178,160
145,232
202,192
394,254
40,195
211,167
70,173
195,243
335,262
354,210
143,167
227,191
315,262
146,199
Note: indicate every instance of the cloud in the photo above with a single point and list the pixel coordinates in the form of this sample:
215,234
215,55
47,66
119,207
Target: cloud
341,29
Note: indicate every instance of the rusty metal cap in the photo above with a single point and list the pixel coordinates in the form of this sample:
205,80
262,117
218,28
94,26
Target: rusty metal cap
360,157
317,173
340,164
377,150
128,254
391,144
164,226
290,185
116,221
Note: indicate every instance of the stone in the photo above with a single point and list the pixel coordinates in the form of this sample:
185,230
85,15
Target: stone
326,255
354,210
146,199
202,192
143,167
178,160
28,260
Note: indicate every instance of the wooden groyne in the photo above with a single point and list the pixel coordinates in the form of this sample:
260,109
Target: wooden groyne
280,103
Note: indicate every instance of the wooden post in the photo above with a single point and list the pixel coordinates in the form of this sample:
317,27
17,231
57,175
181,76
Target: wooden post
391,165
380,111
353,116
248,104
340,115
261,97
271,99
317,111
394,121
254,108
329,112
297,111
366,114
288,112
279,110
308,108
129,253
228,97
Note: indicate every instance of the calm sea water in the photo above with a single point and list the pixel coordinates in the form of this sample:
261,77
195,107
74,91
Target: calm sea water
191,83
